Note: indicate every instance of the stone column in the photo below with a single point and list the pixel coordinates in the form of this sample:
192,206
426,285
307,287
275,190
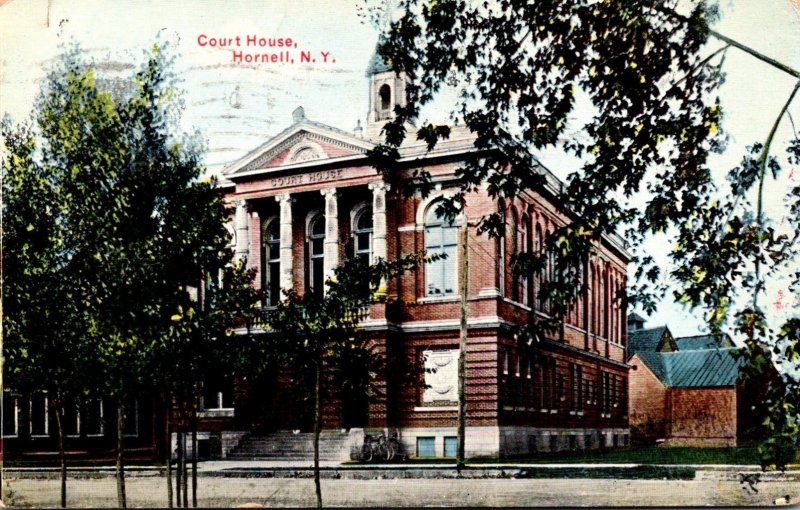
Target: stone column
242,230
285,247
331,246
379,248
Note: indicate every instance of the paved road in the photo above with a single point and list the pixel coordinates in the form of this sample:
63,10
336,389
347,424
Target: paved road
150,491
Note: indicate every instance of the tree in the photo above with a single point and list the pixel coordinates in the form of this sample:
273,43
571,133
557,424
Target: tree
319,335
137,225
202,338
43,348
650,71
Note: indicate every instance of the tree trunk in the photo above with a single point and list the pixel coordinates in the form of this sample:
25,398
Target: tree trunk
185,474
194,455
462,353
62,456
317,428
169,480
169,455
121,502
178,467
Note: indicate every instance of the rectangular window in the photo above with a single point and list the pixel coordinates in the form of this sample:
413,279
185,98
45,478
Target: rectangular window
132,418
606,393
71,419
560,388
217,395
426,447
576,385
10,415
545,385
92,417
39,414
451,446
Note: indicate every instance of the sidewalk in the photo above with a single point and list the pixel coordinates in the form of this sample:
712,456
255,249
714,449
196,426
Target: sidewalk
303,469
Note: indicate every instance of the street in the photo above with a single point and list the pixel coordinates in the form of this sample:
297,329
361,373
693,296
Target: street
214,491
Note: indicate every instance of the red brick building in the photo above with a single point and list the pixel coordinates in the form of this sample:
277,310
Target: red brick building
685,398
306,199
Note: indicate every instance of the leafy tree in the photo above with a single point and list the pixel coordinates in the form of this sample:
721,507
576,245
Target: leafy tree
136,225
647,74
201,341
319,337
43,348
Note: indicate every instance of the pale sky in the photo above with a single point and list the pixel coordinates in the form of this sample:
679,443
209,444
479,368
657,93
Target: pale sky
238,106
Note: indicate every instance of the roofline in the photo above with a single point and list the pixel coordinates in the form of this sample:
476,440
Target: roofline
649,368
552,185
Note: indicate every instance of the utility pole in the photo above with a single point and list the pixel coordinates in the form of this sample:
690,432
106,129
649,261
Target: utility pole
462,349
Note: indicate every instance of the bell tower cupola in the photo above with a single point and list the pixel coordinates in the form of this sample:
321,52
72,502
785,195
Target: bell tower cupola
386,90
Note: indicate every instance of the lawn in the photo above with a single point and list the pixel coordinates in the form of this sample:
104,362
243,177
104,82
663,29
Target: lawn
747,455
653,455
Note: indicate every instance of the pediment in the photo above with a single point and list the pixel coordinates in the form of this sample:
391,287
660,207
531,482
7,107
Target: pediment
301,144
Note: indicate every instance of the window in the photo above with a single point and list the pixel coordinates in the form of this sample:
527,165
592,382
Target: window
316,254
385,95
362,234
450,446
538,246
71,418
271,262
217,395
132,418
576,383
506,361
546,375
606,393
426,447
10,415
39,414
440,239
560,388
522,247
92,417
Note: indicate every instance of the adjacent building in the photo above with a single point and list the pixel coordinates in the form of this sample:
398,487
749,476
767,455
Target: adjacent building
686,391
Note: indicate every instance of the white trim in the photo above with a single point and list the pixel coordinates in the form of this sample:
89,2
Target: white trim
16,414
423,409
410,228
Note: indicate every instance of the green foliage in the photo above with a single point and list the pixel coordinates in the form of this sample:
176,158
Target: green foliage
649,77
108,225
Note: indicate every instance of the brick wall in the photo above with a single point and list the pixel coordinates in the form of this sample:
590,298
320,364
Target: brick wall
702,416
646,401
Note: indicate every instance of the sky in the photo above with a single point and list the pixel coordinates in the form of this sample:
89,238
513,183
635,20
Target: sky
236,106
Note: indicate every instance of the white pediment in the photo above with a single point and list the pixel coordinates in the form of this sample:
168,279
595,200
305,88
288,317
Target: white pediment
303,142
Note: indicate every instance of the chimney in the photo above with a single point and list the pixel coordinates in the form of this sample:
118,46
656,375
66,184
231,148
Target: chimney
358,132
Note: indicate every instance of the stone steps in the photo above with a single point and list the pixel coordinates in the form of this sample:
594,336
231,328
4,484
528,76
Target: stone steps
333,446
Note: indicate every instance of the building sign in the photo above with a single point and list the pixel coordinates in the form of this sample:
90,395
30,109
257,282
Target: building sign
309,178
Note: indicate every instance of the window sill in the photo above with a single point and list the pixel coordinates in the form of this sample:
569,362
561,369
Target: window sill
435,408
438,299
216,413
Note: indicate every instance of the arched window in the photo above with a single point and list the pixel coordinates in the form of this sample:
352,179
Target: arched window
362,234
271,261
385,93
523,247
440,238
537,247
316,255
